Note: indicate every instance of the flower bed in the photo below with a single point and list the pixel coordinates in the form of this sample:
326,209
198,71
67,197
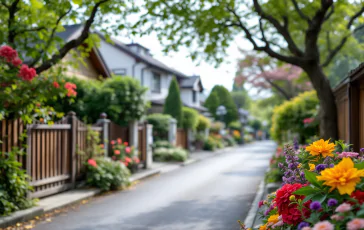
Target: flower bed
125,154
323,189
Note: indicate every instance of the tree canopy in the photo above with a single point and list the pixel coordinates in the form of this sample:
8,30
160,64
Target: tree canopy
297,32
32,27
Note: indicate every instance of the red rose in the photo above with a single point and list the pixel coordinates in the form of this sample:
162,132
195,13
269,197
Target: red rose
8,53
127,159
290,213
26,73
126,143
16,61
56,85
359,196
136,160
127,149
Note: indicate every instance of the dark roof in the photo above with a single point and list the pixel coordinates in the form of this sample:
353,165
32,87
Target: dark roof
69,31
189,82
137,44
144,58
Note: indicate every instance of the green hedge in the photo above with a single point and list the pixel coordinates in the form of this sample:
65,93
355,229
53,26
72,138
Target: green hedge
190,118
290,116
160,124
121,98
235,125
173,103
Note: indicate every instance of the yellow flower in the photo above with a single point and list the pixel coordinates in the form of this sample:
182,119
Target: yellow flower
312,167
299,166
342,176
273,219
321,147
263,227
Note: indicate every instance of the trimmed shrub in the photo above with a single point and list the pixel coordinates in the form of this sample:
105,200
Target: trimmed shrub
203,123
160,124
212,102
296,115
210,144
105,174
170,154
162,144
190,118
173,103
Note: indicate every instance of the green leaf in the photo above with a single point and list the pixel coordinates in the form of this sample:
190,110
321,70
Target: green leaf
305,191
77,2
36,4
311,177
359,165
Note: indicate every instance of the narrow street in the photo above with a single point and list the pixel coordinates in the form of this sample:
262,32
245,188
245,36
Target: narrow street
209,195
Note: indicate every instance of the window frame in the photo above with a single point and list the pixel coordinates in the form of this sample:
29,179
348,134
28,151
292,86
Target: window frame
154,75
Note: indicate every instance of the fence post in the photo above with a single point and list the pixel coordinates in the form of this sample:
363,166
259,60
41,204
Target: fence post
72,120
133,134
172,132
190,139
29,156
149,136
104,123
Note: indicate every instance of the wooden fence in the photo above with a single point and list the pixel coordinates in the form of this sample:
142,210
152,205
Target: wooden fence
181,138
142,143
52,161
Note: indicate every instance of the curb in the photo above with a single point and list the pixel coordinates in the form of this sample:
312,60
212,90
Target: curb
145,175
20,216
250,218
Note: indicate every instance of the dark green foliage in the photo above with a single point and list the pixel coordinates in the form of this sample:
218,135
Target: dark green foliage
173,103
241,99
222,97
14,184
160,124
209,144
190,118
107,174
255,124
212,102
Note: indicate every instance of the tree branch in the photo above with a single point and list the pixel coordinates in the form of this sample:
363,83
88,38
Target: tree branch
283,30
13,8
30,30
73,43
330,13
314,28
299,11
49,42
345,38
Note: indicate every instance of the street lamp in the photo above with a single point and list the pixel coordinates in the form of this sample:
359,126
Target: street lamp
221,111
243,117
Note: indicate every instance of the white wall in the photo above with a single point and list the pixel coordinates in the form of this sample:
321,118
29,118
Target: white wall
116,59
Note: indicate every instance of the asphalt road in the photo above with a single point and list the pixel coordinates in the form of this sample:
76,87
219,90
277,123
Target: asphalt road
208,195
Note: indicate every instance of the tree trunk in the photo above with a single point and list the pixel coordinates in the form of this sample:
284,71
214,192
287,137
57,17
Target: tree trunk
328,110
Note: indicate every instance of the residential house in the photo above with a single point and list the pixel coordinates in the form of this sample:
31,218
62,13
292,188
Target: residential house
136,61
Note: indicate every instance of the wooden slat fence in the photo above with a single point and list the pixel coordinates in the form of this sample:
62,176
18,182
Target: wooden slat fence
182,138
116,131
142,143
51,161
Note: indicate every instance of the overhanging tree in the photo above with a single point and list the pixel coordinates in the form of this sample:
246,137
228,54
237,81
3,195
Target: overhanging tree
32,26
308,34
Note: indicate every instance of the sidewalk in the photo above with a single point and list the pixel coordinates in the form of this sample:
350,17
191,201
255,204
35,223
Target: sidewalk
68,198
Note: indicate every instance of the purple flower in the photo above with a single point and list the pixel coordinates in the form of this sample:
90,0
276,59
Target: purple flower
331,165
280,165
302,225
332,202
295,144
320,167
361,149
315,205
266,213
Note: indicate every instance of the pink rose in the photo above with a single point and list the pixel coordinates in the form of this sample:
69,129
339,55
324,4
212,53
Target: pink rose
323,225
355,224
344,207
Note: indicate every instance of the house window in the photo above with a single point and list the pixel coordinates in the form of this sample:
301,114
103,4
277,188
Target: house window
156,84
120,72
194,96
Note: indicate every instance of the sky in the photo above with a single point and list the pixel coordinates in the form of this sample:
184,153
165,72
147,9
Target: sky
210,75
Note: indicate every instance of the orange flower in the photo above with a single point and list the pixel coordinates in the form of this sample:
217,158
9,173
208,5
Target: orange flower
321,147
117,152
344,176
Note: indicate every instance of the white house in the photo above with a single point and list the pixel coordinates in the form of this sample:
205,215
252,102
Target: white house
136,61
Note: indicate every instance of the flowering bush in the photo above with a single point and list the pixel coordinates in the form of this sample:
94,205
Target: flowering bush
23,93
323,188
237,136
170,154
106,174
125,154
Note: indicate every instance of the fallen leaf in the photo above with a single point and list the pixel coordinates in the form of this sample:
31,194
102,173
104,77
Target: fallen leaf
49,220
28,226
